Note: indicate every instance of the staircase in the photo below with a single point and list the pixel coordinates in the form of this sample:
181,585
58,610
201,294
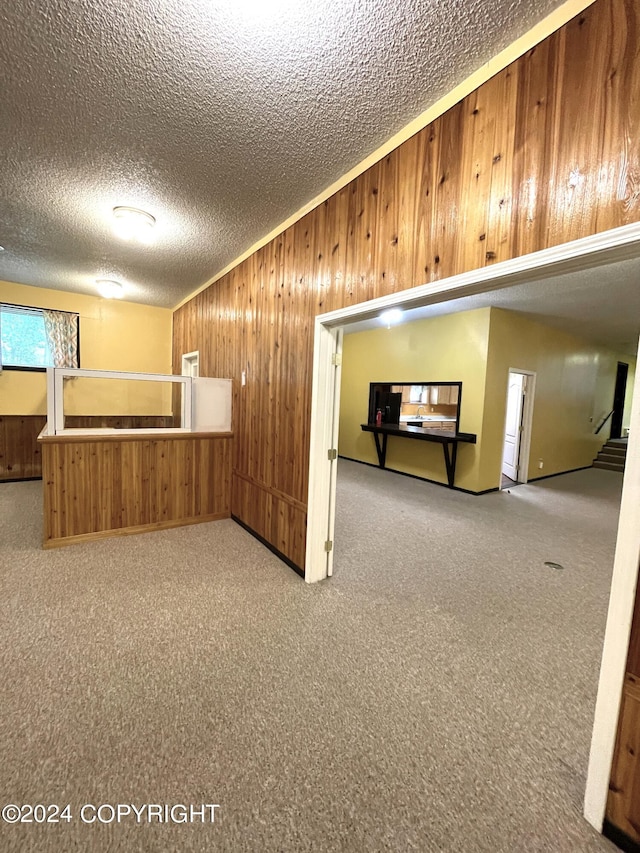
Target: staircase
613,455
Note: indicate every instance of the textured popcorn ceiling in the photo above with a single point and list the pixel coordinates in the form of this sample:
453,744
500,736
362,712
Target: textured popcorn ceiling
220,117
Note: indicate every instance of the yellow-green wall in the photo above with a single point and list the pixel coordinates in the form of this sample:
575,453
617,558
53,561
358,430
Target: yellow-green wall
574,390
452,348
114,335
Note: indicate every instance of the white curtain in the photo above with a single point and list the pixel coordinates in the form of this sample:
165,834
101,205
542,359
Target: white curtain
62,336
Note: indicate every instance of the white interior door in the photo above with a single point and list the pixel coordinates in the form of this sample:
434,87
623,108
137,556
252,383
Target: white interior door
513,426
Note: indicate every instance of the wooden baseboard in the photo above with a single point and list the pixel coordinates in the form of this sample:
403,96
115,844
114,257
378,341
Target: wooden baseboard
130,531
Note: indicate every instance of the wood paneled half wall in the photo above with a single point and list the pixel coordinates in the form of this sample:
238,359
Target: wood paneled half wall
20,457
543,153
96,486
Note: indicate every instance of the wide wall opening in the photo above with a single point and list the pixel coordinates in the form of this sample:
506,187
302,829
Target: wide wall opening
462,555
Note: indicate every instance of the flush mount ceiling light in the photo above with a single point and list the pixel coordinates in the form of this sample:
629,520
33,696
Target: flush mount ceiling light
130,223
390,317
109,289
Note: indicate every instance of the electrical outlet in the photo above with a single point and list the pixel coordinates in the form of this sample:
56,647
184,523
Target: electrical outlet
540,464
244,377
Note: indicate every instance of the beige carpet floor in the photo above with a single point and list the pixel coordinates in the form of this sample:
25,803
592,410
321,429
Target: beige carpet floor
436,695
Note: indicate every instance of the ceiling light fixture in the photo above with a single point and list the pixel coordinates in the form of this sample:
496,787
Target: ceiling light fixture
1,248
110,289
391,316
133,224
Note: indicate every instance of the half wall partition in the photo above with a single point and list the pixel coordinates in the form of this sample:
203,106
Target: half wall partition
128,452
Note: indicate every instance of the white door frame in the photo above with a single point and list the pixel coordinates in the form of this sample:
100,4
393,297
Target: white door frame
596,250
618,629
526,420
189,361
325,399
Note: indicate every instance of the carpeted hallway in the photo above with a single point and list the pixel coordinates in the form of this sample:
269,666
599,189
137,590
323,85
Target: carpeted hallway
436,695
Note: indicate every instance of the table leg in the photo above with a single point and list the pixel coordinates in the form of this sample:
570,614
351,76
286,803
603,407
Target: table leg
381,450
450,461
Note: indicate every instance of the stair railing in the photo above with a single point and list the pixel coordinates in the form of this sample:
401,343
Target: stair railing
604,421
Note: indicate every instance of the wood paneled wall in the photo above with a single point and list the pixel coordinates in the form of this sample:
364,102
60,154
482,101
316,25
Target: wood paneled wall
126,484
20,457
543,153
633,661
623,802
118,421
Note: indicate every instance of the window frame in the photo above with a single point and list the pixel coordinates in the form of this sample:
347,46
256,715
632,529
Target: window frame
55,401
27,368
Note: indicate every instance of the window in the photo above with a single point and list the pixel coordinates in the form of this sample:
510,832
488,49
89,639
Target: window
35,338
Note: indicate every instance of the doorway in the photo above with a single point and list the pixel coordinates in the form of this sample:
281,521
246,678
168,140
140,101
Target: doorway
517,429
587,253
191,364
584,253
618,400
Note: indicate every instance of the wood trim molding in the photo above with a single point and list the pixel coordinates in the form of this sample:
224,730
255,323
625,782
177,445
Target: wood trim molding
160,435
276,493
130,531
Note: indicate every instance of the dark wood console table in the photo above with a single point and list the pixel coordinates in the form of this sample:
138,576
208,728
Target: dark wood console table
448,440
